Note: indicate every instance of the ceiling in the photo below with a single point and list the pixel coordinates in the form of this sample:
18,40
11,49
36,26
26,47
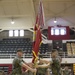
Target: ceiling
23,13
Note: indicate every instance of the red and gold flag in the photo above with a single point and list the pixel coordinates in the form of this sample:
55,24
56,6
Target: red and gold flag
37,38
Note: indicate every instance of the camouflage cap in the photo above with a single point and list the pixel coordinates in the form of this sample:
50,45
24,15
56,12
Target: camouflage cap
20,50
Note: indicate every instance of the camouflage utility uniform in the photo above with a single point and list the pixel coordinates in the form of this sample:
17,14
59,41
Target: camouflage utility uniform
55,66
41,71
17,69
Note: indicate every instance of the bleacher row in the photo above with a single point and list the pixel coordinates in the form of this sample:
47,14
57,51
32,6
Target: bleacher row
10,45
70,48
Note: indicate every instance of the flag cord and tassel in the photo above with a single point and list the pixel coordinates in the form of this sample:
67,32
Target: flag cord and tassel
35,61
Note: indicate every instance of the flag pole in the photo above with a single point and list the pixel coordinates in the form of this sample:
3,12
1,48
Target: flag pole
37,38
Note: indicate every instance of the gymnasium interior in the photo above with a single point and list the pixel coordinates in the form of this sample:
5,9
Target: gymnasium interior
17,21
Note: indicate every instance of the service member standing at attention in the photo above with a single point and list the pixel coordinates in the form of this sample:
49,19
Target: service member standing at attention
18,63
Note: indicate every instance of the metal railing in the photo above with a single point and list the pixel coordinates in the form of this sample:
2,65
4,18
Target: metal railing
46,55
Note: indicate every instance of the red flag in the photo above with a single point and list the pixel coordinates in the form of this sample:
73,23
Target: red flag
36,44
40,15
37,33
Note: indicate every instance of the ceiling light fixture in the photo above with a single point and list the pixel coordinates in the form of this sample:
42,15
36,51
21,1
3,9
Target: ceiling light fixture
55,21
12,21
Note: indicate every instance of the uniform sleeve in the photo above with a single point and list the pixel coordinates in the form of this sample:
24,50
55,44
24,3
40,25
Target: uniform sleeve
21,61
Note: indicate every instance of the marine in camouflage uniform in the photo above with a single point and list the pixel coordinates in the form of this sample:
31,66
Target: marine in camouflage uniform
18,63
56,66
42,66
41,71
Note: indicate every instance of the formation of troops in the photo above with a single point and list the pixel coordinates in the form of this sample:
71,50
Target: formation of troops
43,67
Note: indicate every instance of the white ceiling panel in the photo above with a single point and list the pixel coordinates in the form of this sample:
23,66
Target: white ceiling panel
24,11
13,10
24,8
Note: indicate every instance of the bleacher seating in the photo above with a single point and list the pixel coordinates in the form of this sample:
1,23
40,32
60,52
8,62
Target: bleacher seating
4,68
64,47
10,45
70,48
73,48
43,48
